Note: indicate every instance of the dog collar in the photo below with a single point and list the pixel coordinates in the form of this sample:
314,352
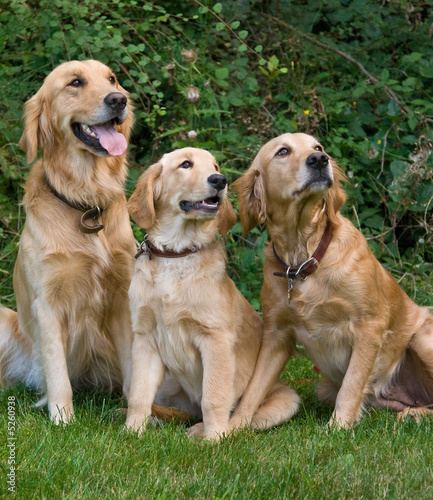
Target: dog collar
90,212
310,265
149,249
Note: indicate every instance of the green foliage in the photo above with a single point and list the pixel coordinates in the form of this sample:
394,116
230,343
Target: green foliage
228,77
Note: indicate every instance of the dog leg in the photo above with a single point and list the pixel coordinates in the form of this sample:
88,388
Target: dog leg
422,344
275,351
120,333
218,387
350,397
147,376
16,347
53,355
279,406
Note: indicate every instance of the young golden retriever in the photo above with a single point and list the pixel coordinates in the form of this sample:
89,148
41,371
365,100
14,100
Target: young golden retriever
189,319
373,345
75,258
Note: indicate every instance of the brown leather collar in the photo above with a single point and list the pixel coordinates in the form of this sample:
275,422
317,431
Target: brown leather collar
149,249
310,265
90,212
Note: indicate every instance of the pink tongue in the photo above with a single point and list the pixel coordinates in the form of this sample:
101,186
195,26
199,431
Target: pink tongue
114,142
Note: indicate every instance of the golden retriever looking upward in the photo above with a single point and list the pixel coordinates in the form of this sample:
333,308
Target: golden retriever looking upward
189,320
373,345
76,252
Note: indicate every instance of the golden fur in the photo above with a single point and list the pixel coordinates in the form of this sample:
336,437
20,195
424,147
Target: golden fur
373,345
189,320
73,320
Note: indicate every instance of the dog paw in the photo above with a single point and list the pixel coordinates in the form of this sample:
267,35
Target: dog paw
139,424
62,416
416,414
196,431
239,422
338,422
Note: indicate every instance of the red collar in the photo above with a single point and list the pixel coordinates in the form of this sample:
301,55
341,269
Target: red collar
310,265
149,249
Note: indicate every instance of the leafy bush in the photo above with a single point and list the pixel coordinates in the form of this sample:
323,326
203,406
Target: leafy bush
228,77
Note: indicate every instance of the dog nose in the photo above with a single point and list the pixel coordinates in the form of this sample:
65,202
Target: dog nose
217,181
317,160
116,101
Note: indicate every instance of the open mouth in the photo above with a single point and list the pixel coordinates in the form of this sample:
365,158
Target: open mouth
209,205
103,138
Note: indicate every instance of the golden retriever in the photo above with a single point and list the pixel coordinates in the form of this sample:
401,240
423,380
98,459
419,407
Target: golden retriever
373,345
76,252
189,320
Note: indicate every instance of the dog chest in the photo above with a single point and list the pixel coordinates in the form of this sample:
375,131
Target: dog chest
327,334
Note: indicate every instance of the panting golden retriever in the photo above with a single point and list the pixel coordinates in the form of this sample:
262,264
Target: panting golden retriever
76,252
373,345
189,320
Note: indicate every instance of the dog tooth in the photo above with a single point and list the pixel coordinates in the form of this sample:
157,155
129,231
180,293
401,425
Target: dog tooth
89,131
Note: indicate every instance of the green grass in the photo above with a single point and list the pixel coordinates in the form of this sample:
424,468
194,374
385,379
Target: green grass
95,457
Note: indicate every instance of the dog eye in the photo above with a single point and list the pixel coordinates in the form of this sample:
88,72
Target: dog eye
75,83
318,148
185,164
112,79
283,152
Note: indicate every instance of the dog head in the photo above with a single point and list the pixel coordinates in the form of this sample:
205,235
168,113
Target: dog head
80,106
291,170
185,185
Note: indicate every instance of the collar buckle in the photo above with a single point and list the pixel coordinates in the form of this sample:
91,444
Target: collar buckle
304,265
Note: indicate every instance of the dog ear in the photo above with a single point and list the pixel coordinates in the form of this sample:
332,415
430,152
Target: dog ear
37,125
252,199
226,217
141,204
336,195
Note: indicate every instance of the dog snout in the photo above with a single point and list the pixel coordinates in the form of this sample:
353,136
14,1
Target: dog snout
217,181
116,101
318,161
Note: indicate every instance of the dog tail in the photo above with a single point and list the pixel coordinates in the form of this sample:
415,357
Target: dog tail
16,353
170,413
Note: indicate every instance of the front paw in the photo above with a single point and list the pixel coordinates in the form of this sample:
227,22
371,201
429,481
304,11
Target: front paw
196,431
239,422
137,423
340,421
61,415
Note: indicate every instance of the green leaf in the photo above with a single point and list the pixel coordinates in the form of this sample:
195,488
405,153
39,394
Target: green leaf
243,34
235,25
393,109
375,222
398,168
411,58
220,26
221,73
217,8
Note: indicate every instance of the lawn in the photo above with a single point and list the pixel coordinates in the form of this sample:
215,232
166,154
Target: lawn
95,457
